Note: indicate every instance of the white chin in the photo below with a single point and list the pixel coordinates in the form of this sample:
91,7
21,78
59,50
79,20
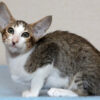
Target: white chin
16,49
13,49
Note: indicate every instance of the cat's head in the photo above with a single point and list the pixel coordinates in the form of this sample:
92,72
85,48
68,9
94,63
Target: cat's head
19,36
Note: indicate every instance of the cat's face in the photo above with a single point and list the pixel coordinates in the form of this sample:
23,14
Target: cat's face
19,36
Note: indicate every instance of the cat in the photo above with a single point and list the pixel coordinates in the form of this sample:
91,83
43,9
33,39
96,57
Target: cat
62,62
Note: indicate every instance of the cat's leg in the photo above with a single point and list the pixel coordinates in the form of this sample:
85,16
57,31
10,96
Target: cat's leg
75,88
57,92
44,55
38,81
77,85
86,83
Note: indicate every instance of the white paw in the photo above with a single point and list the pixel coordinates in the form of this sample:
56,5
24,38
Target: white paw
29,94
55,92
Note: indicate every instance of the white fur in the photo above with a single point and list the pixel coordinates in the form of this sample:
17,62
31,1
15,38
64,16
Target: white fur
55,80
19,29
52,77
38,81
56,92
16,66
21,45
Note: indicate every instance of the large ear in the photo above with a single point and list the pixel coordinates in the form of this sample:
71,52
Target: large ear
39,28
5,16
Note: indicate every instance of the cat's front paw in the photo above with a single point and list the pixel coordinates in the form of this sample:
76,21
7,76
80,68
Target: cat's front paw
29,94
55,92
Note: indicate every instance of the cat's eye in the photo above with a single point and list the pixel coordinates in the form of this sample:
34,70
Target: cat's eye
10,30
25,34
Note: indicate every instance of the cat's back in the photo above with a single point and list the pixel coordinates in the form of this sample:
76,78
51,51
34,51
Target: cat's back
67,40
71,49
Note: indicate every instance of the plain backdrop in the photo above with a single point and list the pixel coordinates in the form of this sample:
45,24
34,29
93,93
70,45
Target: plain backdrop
79,16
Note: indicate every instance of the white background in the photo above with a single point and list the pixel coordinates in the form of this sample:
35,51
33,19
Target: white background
79,16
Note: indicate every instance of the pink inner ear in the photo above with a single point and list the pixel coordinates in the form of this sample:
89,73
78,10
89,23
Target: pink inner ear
39,28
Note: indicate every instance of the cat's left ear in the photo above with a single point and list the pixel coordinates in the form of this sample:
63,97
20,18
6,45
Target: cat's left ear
39,28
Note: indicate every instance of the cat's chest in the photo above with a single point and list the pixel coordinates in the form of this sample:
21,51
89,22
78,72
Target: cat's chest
17,70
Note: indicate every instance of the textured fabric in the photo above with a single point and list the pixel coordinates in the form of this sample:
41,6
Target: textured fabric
12,91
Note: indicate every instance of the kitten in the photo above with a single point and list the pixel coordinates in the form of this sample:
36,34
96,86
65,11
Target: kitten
61,61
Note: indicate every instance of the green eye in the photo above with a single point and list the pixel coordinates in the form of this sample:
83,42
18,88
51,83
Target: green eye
25,34
10,30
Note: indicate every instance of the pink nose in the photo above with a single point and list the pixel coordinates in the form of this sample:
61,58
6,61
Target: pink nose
15,40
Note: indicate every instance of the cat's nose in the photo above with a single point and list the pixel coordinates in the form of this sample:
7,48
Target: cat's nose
13,43
14,40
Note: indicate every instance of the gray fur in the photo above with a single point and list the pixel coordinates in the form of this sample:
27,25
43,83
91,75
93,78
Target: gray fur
71,54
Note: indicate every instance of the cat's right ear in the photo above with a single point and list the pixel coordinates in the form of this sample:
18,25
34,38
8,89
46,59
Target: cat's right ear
5,16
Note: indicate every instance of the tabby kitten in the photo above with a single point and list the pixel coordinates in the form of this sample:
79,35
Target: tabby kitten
62,62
